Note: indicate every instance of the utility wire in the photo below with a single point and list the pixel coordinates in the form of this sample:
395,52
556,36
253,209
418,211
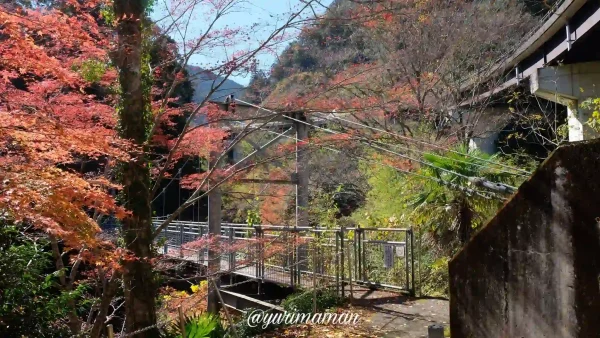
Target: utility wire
505,188
410,139
442,156
486,195
171,181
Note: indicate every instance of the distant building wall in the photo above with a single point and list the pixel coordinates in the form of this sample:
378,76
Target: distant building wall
534,269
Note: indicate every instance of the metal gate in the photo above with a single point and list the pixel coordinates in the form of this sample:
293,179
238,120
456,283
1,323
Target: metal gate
386,258
305,256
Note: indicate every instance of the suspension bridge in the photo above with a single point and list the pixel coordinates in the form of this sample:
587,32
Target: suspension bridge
300,256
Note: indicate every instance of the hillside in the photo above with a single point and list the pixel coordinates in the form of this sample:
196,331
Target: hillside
380,39
202,82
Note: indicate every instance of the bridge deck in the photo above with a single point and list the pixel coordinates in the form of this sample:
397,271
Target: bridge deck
272,273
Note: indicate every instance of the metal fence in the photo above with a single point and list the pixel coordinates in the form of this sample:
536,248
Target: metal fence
302,256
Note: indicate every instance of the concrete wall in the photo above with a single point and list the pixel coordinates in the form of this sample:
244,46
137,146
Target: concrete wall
570,85
534,269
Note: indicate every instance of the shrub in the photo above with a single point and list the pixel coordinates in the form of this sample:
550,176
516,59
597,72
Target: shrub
246,331
31,305
197,326
303,302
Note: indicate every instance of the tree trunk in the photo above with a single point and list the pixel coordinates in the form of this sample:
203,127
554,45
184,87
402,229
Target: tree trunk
138,280
67,286
109,291
214,228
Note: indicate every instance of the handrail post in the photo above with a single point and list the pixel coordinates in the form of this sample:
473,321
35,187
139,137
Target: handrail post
200,250
406,265
262,255
357,253
111,332
337,263
256,254
259,257
181,240
412,263
298,259
314,270
350,265
342,260
231,255
364,256
292,254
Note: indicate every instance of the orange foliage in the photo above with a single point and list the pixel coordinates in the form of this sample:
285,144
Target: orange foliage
202,141
273,205
50,124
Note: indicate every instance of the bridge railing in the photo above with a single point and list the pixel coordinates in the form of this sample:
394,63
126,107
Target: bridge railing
302,256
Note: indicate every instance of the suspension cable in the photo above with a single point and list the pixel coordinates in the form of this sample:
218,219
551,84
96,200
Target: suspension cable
469,191
449,158
492,185
171,180
410,139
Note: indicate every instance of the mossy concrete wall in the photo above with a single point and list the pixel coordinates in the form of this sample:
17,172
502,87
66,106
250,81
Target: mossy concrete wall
534,269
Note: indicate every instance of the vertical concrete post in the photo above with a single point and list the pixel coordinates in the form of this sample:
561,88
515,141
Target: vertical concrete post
574,123
301,194
301,172
570,85
214,230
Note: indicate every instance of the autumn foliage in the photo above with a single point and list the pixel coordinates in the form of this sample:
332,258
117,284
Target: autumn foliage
54,120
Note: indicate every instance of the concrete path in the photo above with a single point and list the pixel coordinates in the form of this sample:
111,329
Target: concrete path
382,314
396,315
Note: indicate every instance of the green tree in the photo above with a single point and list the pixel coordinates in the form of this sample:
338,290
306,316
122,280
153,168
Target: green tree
438,203
31,304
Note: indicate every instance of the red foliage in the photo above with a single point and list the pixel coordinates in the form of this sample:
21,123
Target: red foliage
273,205
201,141
50,124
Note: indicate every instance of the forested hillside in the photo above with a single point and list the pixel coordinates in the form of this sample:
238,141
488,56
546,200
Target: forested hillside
338,41
203,82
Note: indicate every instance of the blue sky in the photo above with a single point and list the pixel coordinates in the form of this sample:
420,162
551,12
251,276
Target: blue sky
266,13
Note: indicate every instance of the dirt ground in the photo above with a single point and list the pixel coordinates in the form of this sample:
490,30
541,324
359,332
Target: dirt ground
382,314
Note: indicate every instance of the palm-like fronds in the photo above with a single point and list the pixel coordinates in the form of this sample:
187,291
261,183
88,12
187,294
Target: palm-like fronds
438,205
199,325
